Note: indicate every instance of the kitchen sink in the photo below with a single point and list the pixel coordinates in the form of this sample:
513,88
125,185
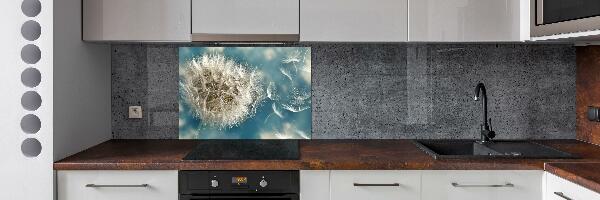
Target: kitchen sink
471,149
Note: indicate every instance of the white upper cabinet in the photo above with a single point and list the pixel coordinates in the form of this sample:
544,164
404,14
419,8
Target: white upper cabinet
136,20
307,20
354,20
245,20
468,20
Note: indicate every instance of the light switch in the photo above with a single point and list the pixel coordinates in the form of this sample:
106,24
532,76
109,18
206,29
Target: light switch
135,112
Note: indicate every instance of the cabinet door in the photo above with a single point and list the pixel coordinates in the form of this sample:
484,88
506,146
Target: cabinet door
136,20
353,20
314,185
560,189
117,185
468,21
482,185
375,185
245,20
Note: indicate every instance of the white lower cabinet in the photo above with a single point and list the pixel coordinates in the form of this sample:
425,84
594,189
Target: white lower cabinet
314,184
375,185
560,189
482,185
117,185
341,185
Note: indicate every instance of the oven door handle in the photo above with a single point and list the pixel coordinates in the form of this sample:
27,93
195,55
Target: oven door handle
189,197
254,197
286,196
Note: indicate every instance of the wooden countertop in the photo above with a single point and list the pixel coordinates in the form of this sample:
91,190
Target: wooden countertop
584,174
331,155
314,155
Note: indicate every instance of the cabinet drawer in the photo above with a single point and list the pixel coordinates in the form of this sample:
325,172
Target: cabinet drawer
560,189
482,185
375,185
117,185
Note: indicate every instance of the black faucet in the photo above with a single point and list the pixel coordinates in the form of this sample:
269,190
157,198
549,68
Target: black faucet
487,134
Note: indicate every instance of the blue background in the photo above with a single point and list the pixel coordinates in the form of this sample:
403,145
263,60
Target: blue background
265,124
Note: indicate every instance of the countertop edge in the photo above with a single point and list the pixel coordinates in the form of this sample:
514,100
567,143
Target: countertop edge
571,176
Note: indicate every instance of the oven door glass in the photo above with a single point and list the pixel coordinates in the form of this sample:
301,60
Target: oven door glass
554,11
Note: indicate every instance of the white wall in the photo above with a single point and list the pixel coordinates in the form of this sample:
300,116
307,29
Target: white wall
76,74
82,86
23,177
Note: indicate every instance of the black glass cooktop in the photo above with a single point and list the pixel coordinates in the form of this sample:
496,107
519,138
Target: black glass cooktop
245,150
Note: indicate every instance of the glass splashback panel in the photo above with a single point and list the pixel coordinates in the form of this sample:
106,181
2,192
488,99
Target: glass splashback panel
245,93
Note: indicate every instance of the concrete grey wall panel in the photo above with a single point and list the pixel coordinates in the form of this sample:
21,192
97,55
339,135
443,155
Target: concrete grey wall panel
383,91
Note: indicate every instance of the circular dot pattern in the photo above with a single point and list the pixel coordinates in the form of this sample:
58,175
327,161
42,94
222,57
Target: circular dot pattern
31,147
31,77
31,30
31,54
31,100
31,8
31,124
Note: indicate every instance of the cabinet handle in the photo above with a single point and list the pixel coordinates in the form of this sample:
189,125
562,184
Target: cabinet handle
468,186
115,186
376,184
562,195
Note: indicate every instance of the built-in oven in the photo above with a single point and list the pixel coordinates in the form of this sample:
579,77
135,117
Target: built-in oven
552,17
238,185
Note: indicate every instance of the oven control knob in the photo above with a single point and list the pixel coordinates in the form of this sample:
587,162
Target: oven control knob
214,183
263,183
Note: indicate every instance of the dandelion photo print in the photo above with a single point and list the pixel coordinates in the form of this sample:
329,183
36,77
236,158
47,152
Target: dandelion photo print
245,93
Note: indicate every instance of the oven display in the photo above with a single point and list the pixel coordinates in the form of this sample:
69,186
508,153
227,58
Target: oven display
239,180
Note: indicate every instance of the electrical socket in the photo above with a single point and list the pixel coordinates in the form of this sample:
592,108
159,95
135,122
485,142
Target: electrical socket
135,112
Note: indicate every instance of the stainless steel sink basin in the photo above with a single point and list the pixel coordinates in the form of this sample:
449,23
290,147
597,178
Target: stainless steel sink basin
468,149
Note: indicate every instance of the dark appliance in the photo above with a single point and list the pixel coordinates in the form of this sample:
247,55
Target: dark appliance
551,17
238,185
245,150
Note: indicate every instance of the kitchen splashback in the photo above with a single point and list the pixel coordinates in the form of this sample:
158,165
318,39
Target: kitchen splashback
245,93
382,91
